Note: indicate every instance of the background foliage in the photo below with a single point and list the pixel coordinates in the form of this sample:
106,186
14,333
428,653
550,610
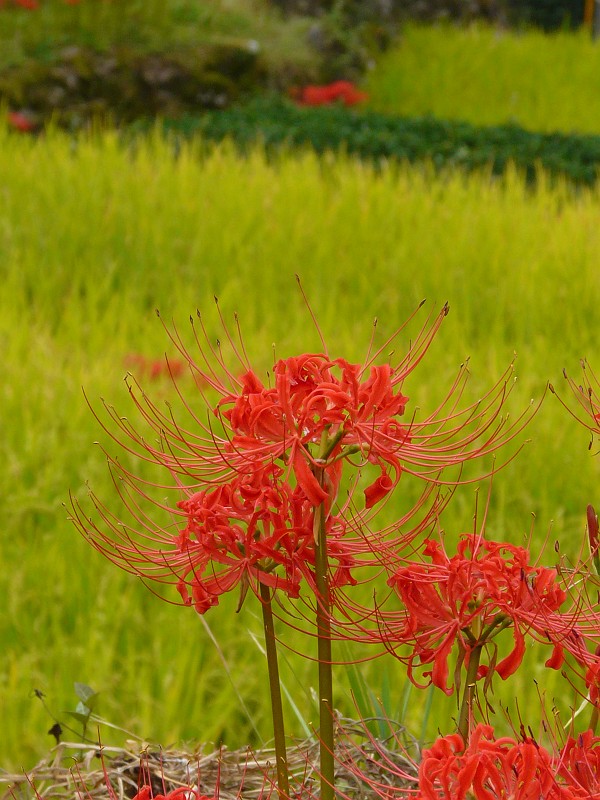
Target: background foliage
99,230
96,235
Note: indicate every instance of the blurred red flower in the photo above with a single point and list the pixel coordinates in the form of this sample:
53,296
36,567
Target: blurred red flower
20,121
154,369
338,91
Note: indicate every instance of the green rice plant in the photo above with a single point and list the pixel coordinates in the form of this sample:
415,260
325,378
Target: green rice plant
489,76
95,234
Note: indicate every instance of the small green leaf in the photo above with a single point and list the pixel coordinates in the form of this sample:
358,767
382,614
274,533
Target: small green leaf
87,695
84,692
83,718
82,709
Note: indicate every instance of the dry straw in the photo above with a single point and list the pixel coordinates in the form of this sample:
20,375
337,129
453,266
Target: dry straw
75,771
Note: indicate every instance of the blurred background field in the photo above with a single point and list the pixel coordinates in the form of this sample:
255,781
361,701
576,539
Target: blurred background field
98,231
543,82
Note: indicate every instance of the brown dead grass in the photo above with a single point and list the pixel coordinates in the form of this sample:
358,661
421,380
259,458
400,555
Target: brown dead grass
74,771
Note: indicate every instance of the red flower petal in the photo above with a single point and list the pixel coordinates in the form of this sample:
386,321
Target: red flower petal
306,479
378,490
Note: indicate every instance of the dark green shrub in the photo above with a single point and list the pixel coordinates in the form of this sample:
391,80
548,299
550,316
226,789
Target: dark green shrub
279,124
126,84
546,14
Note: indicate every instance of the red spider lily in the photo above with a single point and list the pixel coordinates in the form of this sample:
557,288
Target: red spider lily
490,769
319,412
338,91
310,401
181,793
255,529
469,598
251,527
313,396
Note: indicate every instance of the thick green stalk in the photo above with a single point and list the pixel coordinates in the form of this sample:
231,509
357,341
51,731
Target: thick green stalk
283,788
469,693
326,728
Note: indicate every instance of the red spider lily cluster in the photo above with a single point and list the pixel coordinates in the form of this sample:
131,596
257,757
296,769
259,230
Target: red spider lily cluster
490,768
275,486
469,598
253,530
248,484
310,401
343,92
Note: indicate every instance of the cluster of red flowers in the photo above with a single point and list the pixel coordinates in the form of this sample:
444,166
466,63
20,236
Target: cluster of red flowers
310,401
257,488
489,768
343,92
250,493
469,598
244,530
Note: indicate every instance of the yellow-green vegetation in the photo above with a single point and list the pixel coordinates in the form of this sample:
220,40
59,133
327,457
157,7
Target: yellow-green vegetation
95,235
488,76
77,62
152,26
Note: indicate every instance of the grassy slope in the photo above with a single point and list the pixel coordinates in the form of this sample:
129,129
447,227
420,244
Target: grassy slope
151,26
541,82
92,240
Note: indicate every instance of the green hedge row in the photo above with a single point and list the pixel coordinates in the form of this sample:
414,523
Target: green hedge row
278,123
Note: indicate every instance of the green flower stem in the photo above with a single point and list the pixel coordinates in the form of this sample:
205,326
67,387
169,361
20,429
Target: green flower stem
326,733
594,720
469,693
496,625
283,788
